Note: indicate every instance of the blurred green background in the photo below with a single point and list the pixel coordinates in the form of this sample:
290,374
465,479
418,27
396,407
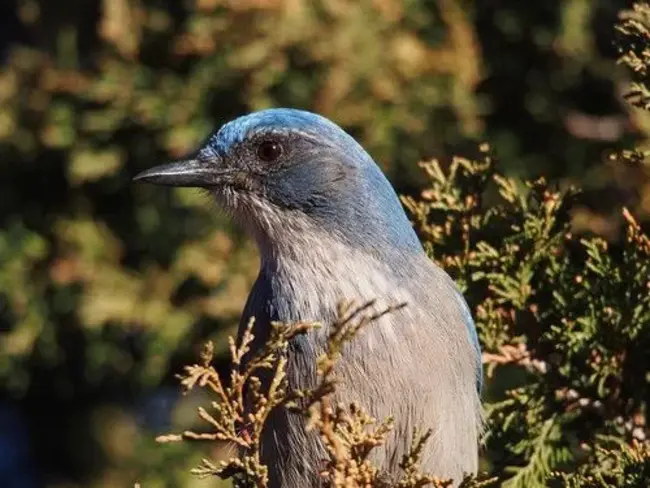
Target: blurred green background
108,288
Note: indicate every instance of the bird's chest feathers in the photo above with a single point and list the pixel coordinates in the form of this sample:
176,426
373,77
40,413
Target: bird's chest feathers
309,286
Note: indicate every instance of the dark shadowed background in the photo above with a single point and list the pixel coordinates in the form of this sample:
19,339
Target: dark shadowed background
108,288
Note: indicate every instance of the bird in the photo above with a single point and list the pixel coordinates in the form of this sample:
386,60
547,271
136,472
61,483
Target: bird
329,227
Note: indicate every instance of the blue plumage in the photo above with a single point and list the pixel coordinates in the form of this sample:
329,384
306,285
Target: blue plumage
320,182
329,226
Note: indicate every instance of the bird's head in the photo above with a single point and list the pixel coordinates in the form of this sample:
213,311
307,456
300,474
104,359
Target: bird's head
278,171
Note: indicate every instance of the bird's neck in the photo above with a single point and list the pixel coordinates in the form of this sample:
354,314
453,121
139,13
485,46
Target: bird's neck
303,245
312,271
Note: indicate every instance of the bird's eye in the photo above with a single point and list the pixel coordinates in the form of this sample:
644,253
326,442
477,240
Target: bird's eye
269,151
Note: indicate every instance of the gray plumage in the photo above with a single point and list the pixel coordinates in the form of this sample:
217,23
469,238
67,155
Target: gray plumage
330,227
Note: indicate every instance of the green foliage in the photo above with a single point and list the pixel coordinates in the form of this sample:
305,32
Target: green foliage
623,465
105,288
564,320
635,53
83,108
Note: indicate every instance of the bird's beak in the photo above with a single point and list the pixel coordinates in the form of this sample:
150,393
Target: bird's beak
190,172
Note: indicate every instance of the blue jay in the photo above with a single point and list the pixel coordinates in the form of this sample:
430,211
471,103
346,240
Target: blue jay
330,227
